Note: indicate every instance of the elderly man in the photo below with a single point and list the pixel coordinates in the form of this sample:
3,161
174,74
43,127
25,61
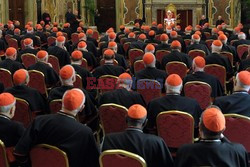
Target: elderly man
28,48
10,62
197,45
123,95
37,102
173,101
69,135
199,75
152,148
213,149
239,101
42,65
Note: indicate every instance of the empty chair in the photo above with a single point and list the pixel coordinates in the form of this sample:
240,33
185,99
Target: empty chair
121,158
160,54
55,105
53,60
138,65
37,81
50,156
241,49
217,71
113,117
133,53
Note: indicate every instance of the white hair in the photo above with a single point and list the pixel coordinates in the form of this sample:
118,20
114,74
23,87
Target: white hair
195,68
240,84
241,36
69,81
6,109
45,59
216,48
173,89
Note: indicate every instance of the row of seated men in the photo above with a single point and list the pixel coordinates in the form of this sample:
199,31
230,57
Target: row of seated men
63,131
67,77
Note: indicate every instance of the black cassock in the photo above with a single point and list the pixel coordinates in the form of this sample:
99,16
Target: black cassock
122,97
108,69
212,153
51,77
27,50
37,102
238,103
173,102
150,147
11,65
62,55
217,89
10,131
65,132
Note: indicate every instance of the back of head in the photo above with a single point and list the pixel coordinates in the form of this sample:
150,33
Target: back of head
223,38
125,81
112,36
67,75
73,101
108,55
198,64
173,84
82,36
42,56
28,43
7,102
241,36
82,46
149,59
21,77
60,40
150,48
212,123
196,38
136,116
10,53
76,56
164,37
216,46
242,81
176,45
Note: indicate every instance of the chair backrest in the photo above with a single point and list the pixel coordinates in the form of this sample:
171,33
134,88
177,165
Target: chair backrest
200,91
107,83
12,42
121,158
237,129
158,37
196,52
209,43
126,46
241,49
160,54
22,113
217,71
55,105
3,156
207,35
187,41
138,65
78,82
149,89
7,37
66,36
133,53
50,156
101,43
113,117
22,44
37,81
122,40
175,127
28,59
84,63
53,60
95,35
51,40
102,62
176,67
229,56
6,78
74,38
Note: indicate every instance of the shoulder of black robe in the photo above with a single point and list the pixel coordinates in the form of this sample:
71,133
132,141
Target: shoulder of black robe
121,60
3,45
1,87
10,131
27,50
74,138
11,65
244,64
90,58
37,102
227,154
91,48
152,148
108,70
62,55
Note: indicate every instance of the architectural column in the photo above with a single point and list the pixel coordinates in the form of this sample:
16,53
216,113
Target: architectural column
30,10
4,8
83,11
148,11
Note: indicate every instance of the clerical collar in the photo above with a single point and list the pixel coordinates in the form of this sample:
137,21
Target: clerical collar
131,128
172,94
241,91
4,116
211,140
67,115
